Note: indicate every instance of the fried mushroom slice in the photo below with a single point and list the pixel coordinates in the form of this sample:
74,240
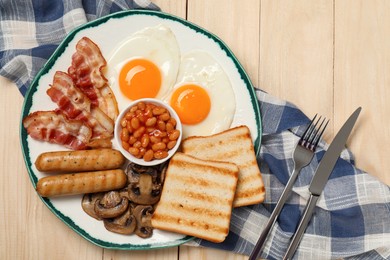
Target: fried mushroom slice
143,215
125,224
88,203
124,192
111,205
145,184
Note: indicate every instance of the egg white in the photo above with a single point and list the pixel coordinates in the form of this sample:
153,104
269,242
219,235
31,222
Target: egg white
157,44
198,67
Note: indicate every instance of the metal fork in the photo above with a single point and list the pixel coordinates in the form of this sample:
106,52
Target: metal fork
303,154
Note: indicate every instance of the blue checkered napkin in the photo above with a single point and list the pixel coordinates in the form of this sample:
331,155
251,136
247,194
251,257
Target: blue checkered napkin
30,30
352,218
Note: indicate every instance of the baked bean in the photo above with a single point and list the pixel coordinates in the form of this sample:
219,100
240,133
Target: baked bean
129,116
139,132
151,121
142,151
141,106
145,141
137,144
164,117
155,139
134,151
129,128
134,108
132,140
148,156
125,145
171,144
159,146
125,135
148,131
135,124
158,111
163,134
169,127
161,125
148,112
174,135
160,155
172,121
123,122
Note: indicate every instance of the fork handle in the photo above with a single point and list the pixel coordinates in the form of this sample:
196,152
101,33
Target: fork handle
305,219
275,213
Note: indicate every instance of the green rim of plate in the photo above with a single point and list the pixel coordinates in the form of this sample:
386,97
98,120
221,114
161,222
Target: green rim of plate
49,64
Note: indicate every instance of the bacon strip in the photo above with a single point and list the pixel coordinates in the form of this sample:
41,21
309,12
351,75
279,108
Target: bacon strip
76,105
54,127
86,72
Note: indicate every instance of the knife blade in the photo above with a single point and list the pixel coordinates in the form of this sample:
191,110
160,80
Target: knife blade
320,179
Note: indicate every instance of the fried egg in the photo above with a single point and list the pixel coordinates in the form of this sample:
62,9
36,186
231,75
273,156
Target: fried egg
145,65
203,96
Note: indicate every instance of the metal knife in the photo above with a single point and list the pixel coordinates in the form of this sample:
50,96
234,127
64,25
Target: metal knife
320,178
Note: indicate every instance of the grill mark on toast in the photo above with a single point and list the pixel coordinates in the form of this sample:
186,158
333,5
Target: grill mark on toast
254,192
178,224
233,145
217,170
199,181
198,196
188,209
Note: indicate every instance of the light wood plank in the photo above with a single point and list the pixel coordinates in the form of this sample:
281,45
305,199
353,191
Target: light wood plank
160,254
190,253
236,23
362,65
296,53
175,7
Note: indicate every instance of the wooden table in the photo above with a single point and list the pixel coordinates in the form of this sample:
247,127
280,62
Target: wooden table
327,57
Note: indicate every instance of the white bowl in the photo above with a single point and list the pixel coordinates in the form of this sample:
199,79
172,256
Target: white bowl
118,129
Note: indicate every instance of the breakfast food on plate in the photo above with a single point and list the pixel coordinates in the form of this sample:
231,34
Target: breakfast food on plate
195,194
129,210
54,127
75,105
86,72
72,94
148,131
82,160
202,96
79,183
233,145
197,198
144,65
148,65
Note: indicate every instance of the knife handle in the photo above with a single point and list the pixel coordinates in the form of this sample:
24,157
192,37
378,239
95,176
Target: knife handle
305,219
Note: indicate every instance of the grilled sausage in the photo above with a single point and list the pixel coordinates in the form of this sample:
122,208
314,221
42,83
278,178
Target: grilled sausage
79,161
80,183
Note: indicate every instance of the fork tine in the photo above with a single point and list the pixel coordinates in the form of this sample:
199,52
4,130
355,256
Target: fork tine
308,140
306,134
318,137
315,131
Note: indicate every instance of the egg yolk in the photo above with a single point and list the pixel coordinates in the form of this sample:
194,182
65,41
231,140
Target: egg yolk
140,78
191,103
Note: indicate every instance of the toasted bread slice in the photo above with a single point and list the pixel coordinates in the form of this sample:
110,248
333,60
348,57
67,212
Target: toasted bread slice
197,198
233,145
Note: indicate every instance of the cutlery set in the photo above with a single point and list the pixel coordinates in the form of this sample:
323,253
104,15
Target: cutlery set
302,156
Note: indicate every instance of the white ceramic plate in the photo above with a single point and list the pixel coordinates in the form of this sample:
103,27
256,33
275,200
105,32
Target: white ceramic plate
107,32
